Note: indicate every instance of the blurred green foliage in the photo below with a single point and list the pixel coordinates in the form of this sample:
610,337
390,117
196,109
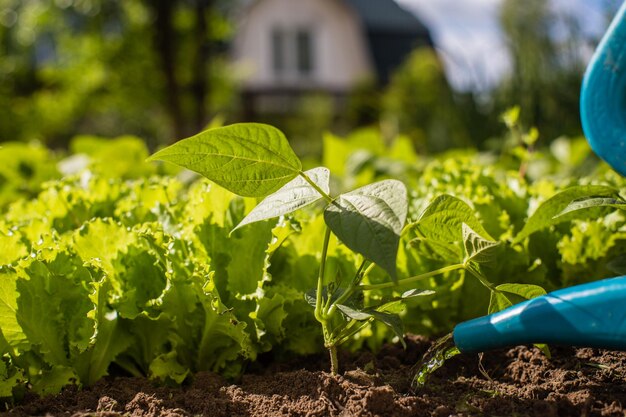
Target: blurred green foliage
420,103
160,70
106,68
548,66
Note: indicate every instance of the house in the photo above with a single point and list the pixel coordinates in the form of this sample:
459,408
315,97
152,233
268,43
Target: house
291,47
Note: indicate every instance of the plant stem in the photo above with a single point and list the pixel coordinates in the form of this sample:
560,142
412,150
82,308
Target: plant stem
351,331
327,197
489,285
320,315
320,279
334,361
358,274
367,271
411,279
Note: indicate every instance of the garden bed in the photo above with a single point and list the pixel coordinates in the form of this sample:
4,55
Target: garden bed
519,381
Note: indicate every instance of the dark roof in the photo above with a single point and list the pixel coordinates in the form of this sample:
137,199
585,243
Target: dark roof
392,33
387,16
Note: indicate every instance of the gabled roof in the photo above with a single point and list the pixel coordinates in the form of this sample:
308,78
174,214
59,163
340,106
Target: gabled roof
391,31
387,16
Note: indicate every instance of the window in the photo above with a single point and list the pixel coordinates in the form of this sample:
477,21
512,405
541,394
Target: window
292,53
304,52
278,51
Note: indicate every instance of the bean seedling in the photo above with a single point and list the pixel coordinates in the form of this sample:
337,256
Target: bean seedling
255,160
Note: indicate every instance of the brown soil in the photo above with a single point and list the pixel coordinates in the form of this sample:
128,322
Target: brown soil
516,382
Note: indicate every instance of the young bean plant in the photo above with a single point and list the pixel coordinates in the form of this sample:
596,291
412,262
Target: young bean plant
255,160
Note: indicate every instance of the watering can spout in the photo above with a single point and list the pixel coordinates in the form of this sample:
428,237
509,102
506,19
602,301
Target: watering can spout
591,315
603,96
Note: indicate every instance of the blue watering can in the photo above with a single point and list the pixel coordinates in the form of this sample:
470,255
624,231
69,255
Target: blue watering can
593,314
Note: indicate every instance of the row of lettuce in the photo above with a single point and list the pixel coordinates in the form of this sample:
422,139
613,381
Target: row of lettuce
106,261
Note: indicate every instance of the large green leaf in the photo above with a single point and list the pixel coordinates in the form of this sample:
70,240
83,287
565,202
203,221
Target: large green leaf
249,159
550,211
369,221
444,216
39,313
223,337
588,203
110,337
294,195
243,277
436,249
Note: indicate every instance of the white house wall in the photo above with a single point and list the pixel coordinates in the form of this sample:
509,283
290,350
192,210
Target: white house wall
340,53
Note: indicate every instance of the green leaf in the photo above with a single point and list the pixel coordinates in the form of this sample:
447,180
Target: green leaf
11,248
243,277
393,321
4,344
9,380
618,264
269,316
416,293
369,221
478,249
223,338
294,195
395,304
511,116
249,159
590,203
110,338
9,325
51,381
498,302
139,281
100,241
443,218
526,291
510,294
550,211
39,311
436,250
166,366
354,314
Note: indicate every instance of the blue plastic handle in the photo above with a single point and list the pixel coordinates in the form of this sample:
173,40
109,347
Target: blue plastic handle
591,315
603,96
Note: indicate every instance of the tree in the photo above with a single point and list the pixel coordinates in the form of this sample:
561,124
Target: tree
547,67
419,102
111,67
